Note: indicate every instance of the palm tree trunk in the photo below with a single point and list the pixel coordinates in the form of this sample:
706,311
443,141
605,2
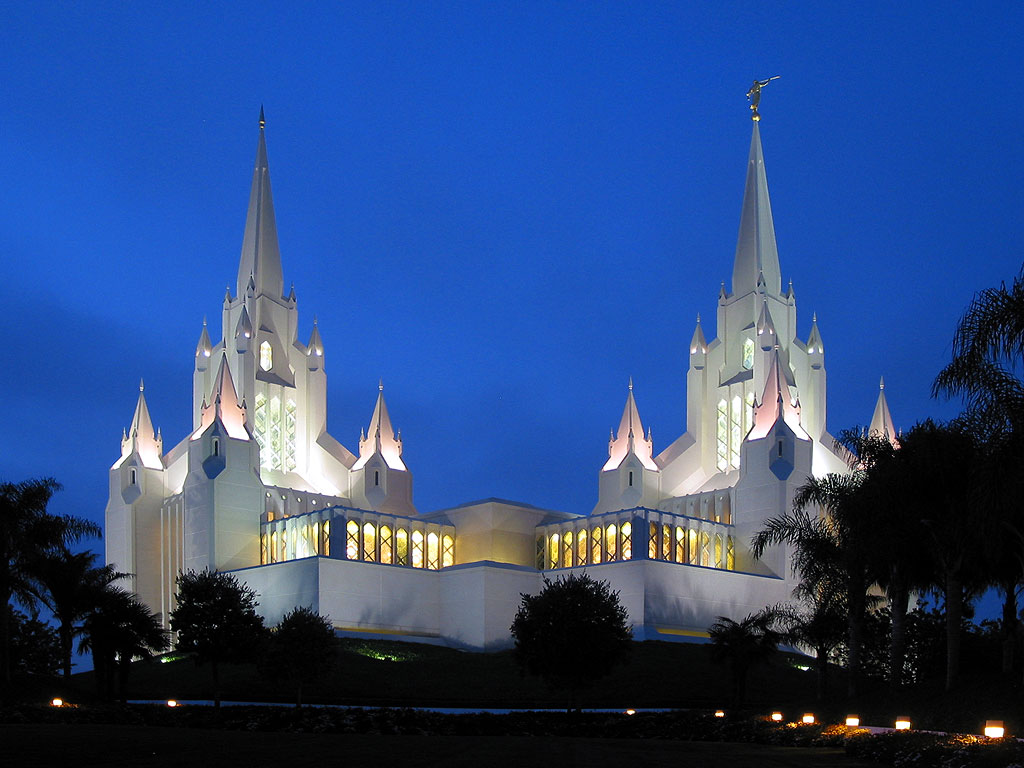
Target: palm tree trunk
821,665
1009,627
66,642
954,617
898,599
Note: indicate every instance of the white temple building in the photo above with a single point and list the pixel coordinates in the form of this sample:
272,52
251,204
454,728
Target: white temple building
261,489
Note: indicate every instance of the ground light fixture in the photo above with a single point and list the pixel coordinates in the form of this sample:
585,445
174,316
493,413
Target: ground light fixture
994,729
172,703
630,712
902,723
853,721
719,713
808,719
57,703
776,717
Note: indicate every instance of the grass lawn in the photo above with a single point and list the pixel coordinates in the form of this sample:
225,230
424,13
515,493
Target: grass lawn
152,747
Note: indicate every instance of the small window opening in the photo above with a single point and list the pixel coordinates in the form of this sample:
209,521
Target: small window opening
780,449
376,476
630,479
216,447
131,477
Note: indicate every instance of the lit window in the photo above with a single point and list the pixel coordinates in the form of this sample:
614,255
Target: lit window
327,538
433,552
264,553
666,542
274,432
401,547
282,540
567,549
581,547
595,545
692,548
385,545
273,547
289,436
627,541
447,551
705,549
748,354
652,542
303,544
610,542
260,429
352,540
553,543
722,442
736,431
417,549
369,543
266,356
680,544
730,553
718,550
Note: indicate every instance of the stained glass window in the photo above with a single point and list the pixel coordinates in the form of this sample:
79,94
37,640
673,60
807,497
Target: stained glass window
627,541
401,547
595,545
447,551
611,542
417,549
748,353
433,553
369,543
266,356
722,442
385,545
352,540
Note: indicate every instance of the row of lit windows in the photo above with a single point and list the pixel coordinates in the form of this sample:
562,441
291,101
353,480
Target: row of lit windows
275,429
608,544
367,542
733,422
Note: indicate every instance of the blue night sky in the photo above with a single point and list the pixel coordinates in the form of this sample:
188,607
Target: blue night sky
503,209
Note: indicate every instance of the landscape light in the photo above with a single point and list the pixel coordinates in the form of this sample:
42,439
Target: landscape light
808,719
902,723
777,717
57,703
994,729
852,721
630,711
172,703
719,713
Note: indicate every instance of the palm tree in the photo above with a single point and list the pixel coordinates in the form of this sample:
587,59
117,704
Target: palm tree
118,629
69,584
831,550
743,645
26,530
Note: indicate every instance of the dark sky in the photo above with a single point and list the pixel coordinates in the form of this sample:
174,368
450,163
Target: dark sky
503,209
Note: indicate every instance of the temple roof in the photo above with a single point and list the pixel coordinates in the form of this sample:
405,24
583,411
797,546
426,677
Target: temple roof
261,257
757,257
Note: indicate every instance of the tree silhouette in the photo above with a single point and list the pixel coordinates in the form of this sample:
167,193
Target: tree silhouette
302,649
26,531
216,620
743,645
572,633
118,629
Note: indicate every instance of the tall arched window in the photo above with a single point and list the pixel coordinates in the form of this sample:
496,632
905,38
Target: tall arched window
433,551
327,538
611,542
730,553
722,441
447,551
567,549
401,547
718,551
554,542
705,549
264,552
273,547
694,549
417,549
627,541
266,356
385,545
652,541
595,545
748,353
680,544
369,543
581,547
666,542
352,540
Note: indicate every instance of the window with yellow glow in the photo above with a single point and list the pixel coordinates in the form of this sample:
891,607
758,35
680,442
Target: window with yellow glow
327,538
289,435
705,549
611,542
595,546
736,431
666,542
722,442
567,549
693,549
385,545
260,428
581,547
302,548
627,541
274,439
447,551
266,356
652,542
730,553
417,549
718,551
352,540
273,547
369,543
680,544
554,543
433,551
401,547
283,541
264,553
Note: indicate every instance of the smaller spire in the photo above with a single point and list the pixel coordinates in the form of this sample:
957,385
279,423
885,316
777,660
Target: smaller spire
698,344
625,441
379,437
263,120
776,404
140,437
814,343
225,407
881,421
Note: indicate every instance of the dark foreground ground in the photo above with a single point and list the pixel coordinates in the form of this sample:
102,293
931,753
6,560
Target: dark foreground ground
153,747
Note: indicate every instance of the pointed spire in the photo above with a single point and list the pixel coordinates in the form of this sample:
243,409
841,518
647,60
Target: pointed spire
140,436
814,345
630,438
225,407
204,348
379,437
757,256
243,329
315,348
261,256
776,403
881,422
698,345
766,327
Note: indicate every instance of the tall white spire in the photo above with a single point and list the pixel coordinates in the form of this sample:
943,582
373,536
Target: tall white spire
630,438
261,257
881,422
380,437
140,437
757,256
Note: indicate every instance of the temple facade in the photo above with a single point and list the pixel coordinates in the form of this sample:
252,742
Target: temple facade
260,488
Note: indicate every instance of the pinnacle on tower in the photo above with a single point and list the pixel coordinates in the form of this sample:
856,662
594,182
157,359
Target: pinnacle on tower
140,437
698,344
881,422
225,407
261,257
626,442
776,403
757,257
380,437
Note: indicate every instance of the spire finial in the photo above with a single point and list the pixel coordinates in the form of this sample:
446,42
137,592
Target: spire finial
814,317
754,96
142,386
204,321
263,120
630,383
698,318
881,382
380,384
